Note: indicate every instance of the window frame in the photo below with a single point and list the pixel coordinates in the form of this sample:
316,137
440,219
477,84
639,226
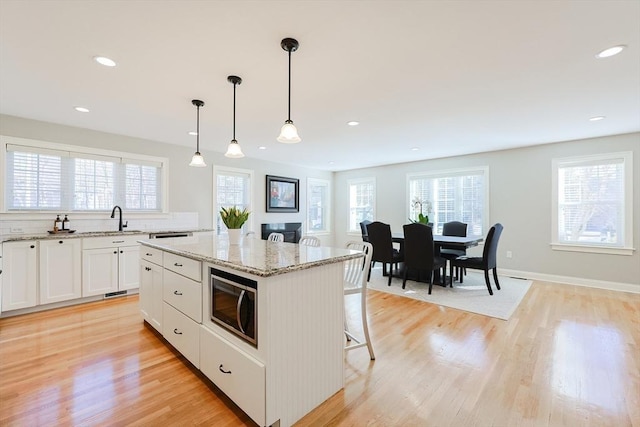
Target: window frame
627,248
68,150
218,170
453,173
326,217
356,181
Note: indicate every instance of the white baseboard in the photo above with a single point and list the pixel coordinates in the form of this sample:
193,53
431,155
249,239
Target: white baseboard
578,281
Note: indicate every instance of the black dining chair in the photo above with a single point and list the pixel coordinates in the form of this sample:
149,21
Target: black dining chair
380,238
420,254
449,252
487,261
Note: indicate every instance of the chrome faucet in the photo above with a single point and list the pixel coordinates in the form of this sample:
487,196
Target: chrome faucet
113,215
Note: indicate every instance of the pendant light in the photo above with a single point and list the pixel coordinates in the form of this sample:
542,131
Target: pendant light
234,151
197,160
289,133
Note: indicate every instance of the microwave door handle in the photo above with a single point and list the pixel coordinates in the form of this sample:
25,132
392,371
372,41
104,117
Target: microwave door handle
238,307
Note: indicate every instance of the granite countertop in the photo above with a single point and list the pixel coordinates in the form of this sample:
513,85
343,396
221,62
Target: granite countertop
80,234
254,256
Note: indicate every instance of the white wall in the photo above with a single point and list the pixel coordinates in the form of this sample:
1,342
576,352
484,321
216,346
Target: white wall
520,199
190,189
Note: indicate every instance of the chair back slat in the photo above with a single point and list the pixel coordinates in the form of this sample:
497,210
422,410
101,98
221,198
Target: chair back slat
276,237
355,272
309,241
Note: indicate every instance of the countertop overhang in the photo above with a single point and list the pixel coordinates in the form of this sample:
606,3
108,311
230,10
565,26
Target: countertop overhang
254,256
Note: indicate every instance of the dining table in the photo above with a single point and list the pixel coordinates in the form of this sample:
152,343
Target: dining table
454,242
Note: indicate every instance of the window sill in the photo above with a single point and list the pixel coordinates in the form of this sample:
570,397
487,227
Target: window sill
592,249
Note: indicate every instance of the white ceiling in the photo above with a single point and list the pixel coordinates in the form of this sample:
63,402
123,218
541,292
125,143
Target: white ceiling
445,77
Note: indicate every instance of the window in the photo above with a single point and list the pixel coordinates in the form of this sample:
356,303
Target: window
456,195
233,188
318,209
362,202
44,176
592,203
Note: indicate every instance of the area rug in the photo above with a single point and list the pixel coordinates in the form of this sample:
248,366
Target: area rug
472,295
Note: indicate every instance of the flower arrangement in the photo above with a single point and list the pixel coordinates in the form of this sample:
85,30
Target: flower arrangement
233,217
419,206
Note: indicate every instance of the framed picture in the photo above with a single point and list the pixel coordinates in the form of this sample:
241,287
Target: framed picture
282,194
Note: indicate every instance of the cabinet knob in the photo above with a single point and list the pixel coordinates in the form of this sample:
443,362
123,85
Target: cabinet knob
175,331
32,246
115,252
222,370
61,242
121,252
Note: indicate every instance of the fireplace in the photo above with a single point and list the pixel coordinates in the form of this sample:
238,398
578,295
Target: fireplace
292,230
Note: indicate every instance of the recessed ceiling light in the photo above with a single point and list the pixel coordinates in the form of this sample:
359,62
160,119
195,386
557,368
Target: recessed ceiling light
353,123
332,163
192,133
81,109
596,118
611,51
414,149
262,147
103,60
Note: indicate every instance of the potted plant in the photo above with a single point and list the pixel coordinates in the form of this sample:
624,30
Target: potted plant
419,206
234,219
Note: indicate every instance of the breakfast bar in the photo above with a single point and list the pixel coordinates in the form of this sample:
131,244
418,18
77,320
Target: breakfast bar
262,320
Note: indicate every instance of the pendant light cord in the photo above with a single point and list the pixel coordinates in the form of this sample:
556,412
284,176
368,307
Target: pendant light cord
289,85
198,131
234,111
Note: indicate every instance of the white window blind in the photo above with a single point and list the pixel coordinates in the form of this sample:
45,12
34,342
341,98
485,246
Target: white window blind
459,195
45,179
318,199
362,202
233,188
592,200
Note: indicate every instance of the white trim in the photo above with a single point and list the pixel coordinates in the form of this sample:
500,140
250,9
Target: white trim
577,281
609,250
627,159
354,181
252,194
327,219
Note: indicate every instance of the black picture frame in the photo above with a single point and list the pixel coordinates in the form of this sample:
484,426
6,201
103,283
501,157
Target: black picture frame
283,194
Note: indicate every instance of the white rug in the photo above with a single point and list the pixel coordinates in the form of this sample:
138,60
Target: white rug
472,295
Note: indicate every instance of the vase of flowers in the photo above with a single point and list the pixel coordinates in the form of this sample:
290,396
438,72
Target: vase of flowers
234,219
419,207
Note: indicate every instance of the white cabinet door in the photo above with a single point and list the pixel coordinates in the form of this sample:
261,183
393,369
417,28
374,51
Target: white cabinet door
20,281
129,267
99,271
60,270
151,294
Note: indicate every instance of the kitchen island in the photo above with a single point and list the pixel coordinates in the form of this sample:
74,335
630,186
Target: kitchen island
295,361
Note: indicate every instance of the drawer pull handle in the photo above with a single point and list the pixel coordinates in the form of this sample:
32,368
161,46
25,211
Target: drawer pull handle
222,370
147,268
177,293
115,252
118,241
177,264
175,331
148,254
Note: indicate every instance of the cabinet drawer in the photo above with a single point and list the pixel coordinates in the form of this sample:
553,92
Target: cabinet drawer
110,241
151,254
184,266
184,294
237,374
182,332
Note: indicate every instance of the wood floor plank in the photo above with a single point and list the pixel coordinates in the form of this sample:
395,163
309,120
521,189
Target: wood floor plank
567,357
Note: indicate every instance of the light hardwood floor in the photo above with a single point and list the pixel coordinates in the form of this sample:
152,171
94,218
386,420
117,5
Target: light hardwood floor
569,356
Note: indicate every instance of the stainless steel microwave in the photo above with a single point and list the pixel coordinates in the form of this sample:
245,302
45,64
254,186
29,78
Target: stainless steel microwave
234,304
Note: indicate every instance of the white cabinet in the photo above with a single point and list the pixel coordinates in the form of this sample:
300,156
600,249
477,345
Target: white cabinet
182,333
20,274
151,278
60,264
110,264
236,373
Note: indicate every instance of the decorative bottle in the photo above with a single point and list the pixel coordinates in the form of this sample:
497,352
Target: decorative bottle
57,224
65,223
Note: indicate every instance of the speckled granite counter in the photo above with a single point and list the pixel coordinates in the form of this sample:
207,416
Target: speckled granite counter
81,234
259,257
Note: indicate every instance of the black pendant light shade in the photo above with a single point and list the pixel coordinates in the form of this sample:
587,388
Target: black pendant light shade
197,160
288,132
234,151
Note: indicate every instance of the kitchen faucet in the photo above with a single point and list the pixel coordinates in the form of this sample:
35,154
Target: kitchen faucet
113,215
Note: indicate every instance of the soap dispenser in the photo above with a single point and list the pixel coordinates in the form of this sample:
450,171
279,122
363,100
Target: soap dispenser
57,224
65,223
